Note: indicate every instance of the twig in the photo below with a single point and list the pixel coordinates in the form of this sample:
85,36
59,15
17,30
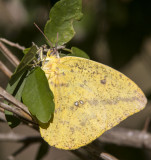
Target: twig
2,117
1,110
146,125
5,69
118,136
26,122
12,44
14,101
19,108
127,137
17,111
93,150
11,157
107,156
9,55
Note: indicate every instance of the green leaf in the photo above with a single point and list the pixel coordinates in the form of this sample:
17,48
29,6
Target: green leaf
61,20
38,96
42,151
26,50
11,119
15,89
62,55
78,53
23,66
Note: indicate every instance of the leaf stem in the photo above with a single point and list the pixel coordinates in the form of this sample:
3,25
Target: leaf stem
68,50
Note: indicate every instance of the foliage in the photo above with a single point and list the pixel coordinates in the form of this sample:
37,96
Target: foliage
32,87
37,95
61,20
110,31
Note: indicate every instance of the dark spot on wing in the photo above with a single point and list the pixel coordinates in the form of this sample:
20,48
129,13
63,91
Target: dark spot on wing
82,123
96,66
76,65
51,83
93,102
72,108
72,129
60,109
103,81
64,84
82,85
72,70
63,73
84,81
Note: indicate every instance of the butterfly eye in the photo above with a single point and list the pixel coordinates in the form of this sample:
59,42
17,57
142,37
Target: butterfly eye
76,103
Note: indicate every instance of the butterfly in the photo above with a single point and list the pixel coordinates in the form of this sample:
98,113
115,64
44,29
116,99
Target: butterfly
90,98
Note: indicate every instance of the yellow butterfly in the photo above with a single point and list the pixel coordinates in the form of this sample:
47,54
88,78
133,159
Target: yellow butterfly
90,98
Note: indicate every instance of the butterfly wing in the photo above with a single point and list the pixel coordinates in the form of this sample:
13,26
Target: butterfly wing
90,98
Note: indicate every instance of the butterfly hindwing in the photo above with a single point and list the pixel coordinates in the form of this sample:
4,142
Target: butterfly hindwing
90,98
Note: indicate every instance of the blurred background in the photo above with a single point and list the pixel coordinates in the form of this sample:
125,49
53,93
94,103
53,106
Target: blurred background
113,32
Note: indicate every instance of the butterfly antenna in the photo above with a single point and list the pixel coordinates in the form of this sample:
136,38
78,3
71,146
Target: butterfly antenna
43,34
57,40
57,45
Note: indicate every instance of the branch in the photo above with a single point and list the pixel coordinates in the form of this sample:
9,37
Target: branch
121,137
118,136
107,156
12,100
17,111
18,108
5,70
12,44
2,116
127,137
1,110
9,55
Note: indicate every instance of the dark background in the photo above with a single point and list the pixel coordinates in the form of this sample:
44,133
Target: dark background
113,32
